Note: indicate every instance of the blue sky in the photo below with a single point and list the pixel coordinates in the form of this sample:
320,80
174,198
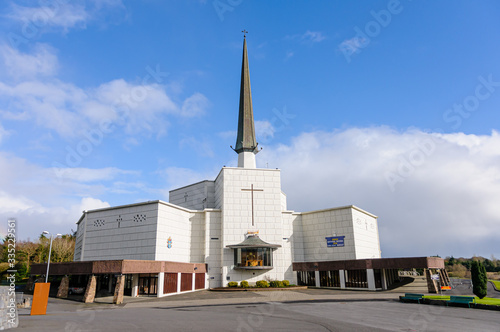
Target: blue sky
392,106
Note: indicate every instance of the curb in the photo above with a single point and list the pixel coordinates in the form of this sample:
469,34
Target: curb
256,289
272,302
455,305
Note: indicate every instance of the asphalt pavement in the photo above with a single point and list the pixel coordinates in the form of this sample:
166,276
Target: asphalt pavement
300,310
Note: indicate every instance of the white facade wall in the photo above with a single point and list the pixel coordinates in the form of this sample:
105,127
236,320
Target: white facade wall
366,235
141,231
184,227
359,228
237,219
213,247
283,201
198,196
288,242
219,190
80,233
297,237
128,232
318,225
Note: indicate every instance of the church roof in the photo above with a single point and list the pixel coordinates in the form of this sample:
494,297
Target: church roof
245,140
254,242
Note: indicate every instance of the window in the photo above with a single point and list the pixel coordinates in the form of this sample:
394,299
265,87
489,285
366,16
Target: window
306,278
356,279
329,278
253,257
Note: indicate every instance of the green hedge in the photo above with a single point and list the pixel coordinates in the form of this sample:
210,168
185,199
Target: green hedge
276,283
244,284
262,284
286,283
232,284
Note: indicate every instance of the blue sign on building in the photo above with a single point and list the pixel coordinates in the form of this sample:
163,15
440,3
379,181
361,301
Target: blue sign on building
335,241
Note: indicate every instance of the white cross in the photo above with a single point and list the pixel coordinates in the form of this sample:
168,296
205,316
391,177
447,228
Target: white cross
252,190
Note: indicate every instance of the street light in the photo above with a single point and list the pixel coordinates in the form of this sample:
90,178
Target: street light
50,251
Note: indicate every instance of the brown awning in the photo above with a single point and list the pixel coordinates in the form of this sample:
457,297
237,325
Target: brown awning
117,267
372,263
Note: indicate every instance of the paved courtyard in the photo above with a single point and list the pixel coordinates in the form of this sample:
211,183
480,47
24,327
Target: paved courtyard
305,310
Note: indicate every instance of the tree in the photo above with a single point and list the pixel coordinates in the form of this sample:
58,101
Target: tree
457,271
452,261
479,279
42,252
27,249
63,249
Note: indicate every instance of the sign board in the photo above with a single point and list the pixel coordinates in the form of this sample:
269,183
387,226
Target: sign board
335,241
40,298
435,276
445,287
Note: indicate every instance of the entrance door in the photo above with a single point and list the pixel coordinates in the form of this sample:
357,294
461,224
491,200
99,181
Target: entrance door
148,284
127,290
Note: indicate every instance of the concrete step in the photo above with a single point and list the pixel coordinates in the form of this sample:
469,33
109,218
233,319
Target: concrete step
418,285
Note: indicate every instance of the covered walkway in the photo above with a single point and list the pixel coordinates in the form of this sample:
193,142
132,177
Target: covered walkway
124,277
371,274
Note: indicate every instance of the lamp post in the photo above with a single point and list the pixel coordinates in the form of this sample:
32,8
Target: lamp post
50,251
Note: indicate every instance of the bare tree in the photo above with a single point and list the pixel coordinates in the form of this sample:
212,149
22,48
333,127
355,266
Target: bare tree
27,251
63,249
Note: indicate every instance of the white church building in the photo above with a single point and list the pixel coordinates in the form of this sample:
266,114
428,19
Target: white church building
232,228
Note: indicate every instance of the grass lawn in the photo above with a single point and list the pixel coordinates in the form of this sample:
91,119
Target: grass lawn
486,300
496,283
437,297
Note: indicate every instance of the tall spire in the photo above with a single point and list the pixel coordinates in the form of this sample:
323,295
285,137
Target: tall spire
246,144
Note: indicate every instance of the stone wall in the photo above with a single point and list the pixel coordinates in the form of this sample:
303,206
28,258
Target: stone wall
90,290
62,291
8,311
119,288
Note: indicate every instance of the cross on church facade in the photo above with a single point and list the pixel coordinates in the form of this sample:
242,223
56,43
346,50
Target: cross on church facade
251,191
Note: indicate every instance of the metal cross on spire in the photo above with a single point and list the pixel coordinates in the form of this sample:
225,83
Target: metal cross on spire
244,33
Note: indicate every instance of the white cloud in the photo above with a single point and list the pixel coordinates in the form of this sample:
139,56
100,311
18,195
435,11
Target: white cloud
264,130
68,15
308,37
202,147
10,204
353,45
177,177
139,108
446,186
40,200
89,203
3,133
19,65
61,15
194,105
313,36
89,175
70,110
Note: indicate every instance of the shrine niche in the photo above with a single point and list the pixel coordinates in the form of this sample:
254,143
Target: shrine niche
253,254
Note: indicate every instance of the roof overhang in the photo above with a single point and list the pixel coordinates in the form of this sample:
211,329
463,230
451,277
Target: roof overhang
253,242
372,263
116,267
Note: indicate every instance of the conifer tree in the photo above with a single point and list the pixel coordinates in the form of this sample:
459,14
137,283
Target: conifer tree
479,279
